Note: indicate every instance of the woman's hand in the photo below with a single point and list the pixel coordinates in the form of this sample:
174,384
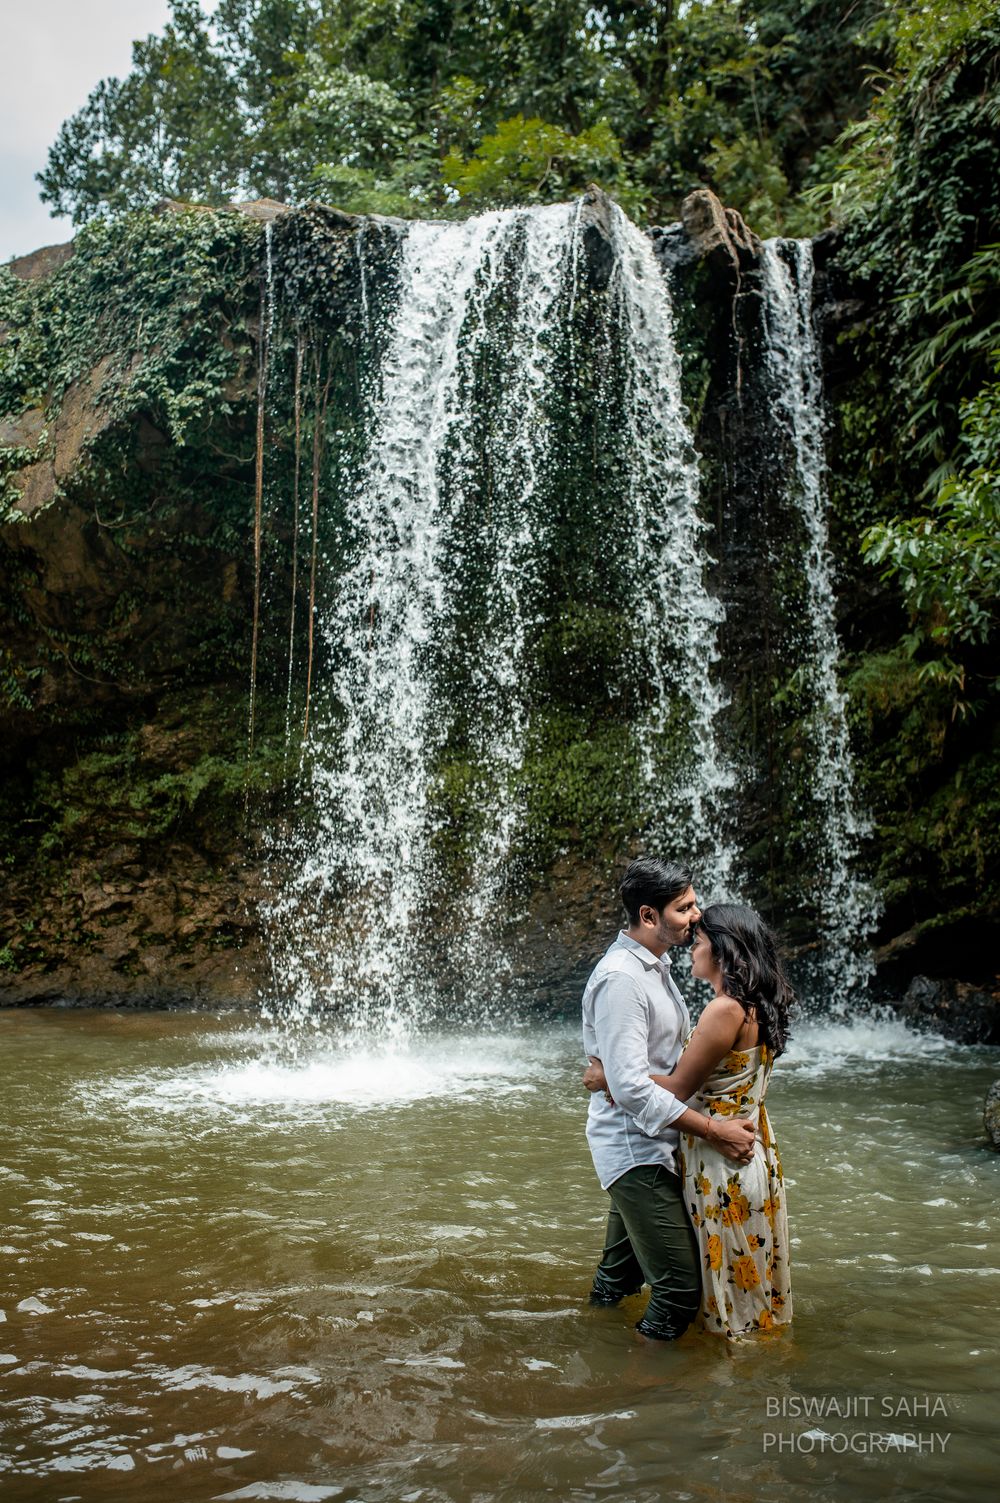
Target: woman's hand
595,1079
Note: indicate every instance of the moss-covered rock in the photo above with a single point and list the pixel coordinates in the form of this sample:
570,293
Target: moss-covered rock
132,511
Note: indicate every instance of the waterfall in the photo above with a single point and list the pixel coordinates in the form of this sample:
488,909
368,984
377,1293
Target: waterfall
678,618
436,579
793,366
395,620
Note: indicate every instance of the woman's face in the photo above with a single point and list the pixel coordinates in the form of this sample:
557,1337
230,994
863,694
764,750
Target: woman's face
703,962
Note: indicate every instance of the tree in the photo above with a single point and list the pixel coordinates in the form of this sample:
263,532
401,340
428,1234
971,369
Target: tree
172,128
414,104
525,161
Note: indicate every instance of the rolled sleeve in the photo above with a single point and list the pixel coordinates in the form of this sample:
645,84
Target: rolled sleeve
621,1026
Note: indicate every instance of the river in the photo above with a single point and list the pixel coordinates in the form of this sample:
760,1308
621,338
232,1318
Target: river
235,1269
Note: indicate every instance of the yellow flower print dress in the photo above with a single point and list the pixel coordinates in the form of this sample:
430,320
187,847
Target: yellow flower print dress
738,1210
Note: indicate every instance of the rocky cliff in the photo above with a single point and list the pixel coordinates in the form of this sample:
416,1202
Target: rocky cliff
130,466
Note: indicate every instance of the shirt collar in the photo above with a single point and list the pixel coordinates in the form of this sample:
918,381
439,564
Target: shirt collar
646,956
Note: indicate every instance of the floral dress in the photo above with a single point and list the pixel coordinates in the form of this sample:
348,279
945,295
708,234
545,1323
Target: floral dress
738,1210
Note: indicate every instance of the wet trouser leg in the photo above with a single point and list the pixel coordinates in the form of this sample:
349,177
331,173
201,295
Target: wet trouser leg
649,1238
618,1273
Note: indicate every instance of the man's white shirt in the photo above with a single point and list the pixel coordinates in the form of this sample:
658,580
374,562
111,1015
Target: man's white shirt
635,1020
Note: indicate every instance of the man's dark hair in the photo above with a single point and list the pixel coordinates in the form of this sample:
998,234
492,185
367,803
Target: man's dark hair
649,882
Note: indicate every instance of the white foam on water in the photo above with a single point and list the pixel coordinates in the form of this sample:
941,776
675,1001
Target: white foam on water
262,1386
335,1077
530,1314
283,1492
350,1075
582,1421
821,1046
443,1362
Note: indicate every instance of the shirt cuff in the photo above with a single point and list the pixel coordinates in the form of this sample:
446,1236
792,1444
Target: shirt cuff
660,1110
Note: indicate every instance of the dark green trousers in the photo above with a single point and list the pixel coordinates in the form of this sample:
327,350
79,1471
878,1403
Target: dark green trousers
650,1240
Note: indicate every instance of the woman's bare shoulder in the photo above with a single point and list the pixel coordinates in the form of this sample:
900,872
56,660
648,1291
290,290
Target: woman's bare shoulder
723,1007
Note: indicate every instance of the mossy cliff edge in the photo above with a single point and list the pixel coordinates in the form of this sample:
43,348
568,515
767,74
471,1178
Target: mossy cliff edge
128,380
133,808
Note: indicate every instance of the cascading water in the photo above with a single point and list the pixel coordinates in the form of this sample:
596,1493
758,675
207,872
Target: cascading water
518,444
396,617
792,354
443,549
677,619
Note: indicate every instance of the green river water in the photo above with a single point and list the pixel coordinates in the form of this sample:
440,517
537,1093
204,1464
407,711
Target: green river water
234,1272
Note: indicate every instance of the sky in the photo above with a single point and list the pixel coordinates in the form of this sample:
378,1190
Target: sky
56,51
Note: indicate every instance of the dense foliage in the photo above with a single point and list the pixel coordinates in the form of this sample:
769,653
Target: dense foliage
917,454
426,106
879,117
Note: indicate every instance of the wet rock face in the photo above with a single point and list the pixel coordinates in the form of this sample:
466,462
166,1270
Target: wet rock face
962,1012
991,1114
177,931
718,234
596,233
932,950
136,878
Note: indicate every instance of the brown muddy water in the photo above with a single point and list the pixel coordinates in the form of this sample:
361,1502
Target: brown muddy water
235,1269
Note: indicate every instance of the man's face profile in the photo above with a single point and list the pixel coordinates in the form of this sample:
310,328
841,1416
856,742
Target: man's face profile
674,925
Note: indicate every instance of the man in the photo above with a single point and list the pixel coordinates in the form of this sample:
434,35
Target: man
635,1021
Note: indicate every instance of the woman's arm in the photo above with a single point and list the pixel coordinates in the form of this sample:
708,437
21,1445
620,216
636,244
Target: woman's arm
717,1031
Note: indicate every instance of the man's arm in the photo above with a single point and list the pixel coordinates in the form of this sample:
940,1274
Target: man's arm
717,1031
734,1138
621,1027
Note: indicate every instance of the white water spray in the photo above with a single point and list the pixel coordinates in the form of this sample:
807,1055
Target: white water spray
393,619
793,359
677,619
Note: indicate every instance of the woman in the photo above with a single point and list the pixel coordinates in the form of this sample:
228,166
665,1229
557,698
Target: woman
738,1211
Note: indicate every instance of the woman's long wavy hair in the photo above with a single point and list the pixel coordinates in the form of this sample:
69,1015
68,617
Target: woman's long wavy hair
747,954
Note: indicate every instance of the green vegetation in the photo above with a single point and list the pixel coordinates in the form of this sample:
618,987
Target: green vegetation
916,458
878,118
427,106
184,774
154,292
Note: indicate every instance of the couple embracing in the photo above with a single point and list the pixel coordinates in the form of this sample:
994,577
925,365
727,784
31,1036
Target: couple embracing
697,1200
